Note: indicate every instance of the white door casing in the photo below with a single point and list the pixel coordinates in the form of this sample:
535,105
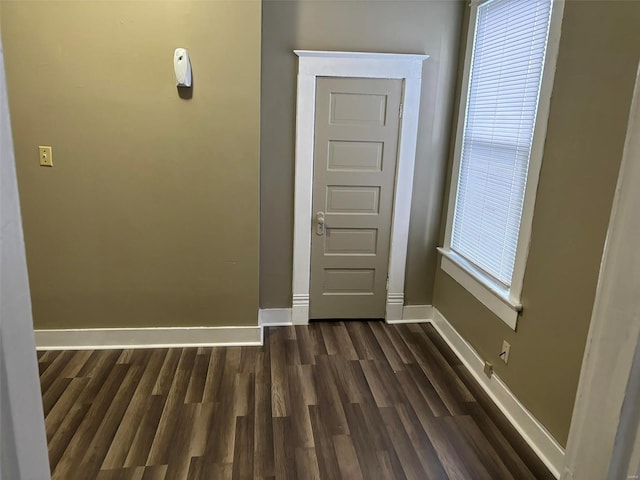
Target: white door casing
356,146
313,64
603,439
23,441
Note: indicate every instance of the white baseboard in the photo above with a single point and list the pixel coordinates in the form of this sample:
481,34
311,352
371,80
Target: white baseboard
165,337
300,309
283,317
103,338
532,431
395,303
275,317
414,314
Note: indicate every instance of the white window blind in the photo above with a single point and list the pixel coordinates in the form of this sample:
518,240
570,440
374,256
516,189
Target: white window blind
504,86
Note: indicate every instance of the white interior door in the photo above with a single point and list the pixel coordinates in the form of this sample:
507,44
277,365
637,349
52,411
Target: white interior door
355,152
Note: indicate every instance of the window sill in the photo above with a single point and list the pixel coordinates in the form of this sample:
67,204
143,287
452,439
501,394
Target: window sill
490,293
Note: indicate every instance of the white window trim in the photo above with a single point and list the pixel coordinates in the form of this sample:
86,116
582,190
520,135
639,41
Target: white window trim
313,64
505,303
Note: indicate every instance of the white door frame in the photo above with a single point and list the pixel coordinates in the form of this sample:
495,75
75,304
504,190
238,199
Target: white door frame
312,64
604,426
23,441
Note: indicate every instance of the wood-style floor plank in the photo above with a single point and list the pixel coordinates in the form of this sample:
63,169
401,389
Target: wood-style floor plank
97,449
328,466
332,400
347,457
145,432
123,439
53,394
71,460
420,442
52,372
60,441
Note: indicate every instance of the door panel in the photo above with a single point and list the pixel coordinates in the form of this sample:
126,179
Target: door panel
357,108
355,156
351,241
343,199
349,281
355,151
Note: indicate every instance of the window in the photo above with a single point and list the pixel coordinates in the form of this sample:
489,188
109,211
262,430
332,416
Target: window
499,147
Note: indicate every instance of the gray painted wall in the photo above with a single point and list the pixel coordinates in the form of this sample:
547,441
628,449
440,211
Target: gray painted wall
430,27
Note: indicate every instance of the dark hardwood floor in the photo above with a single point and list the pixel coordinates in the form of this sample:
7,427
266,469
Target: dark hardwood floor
350,400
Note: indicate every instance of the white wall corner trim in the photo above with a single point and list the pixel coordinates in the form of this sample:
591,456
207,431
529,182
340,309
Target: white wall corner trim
312,64
413,314
275,317
532,431
104,338
604,437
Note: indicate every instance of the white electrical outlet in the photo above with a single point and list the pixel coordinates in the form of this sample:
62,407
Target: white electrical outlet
504,353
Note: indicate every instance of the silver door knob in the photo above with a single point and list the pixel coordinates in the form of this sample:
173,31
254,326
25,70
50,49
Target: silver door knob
320,223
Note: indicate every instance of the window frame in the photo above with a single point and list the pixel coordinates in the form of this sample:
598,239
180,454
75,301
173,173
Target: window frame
503,302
